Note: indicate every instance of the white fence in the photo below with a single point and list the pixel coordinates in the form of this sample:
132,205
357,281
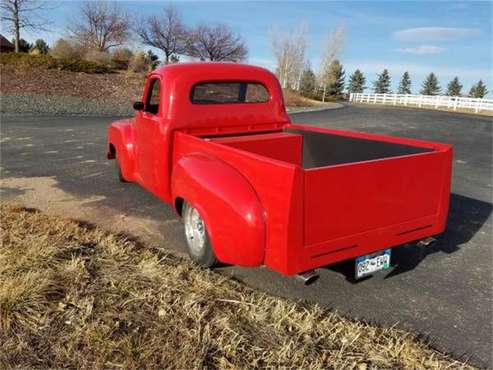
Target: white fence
435,101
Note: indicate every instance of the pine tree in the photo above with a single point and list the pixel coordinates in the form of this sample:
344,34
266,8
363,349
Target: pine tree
454,87
152,59
405,84
357,82
336,81
41,46
24,46
479,90
430,85
382,84
308,81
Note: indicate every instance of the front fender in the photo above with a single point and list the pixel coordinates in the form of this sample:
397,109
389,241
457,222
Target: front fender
228,204
122,137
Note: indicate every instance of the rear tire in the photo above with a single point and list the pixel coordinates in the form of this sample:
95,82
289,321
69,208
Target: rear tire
198,243
119,170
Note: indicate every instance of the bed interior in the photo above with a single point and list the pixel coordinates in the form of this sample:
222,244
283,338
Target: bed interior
311,149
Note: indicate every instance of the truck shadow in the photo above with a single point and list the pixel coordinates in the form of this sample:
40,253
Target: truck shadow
466,217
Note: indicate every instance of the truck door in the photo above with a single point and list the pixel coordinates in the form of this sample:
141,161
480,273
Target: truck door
149,139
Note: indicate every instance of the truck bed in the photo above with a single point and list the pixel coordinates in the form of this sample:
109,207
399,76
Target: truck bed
340,194
313,149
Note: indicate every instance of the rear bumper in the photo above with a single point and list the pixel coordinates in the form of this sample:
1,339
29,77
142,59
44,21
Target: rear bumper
353,246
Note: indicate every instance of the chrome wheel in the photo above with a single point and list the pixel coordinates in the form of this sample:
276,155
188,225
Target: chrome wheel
194,231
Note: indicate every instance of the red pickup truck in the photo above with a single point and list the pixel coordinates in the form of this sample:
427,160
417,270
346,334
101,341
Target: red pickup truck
215,142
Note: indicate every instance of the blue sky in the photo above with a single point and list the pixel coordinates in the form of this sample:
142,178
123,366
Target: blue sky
444,37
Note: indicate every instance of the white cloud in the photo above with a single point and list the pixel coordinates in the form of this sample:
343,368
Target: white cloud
434,33
421,50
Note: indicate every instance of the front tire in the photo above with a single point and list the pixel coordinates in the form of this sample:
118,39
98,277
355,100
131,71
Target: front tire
198,243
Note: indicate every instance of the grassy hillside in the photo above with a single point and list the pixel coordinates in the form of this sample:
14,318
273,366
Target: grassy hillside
118,85
76,296
42,84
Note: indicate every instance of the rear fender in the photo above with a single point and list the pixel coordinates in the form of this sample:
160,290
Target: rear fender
228,204
121,138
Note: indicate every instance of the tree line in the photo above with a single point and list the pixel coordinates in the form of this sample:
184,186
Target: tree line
335,86
430,86
295,72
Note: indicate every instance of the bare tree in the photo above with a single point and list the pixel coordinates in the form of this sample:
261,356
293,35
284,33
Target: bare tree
300,37
282,49
102,26
331,47
216,43
165,32
289,50
19,14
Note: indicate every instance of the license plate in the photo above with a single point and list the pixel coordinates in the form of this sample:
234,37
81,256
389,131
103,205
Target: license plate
371,263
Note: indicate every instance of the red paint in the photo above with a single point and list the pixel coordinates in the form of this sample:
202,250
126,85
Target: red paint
235,164
280,146
232,204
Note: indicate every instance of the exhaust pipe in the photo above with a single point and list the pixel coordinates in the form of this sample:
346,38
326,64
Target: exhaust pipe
307,277
427,242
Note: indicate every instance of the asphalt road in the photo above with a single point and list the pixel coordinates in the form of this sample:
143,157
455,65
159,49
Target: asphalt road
443,293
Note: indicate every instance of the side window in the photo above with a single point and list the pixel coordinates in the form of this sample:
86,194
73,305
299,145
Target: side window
152,104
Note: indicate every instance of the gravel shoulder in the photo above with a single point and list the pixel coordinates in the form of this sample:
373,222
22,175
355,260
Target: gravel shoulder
317,108
30,103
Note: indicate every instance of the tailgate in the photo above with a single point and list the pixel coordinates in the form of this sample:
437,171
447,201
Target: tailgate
348,199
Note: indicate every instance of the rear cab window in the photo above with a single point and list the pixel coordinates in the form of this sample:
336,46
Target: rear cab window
229,93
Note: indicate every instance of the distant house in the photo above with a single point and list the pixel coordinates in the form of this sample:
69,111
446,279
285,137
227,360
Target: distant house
5,45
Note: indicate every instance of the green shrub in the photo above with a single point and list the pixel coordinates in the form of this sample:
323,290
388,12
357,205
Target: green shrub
22,60
120,59
64,49
100,57
139,63
81,65
27,61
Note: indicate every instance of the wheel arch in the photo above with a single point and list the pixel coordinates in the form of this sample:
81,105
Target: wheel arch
178,205
111,151
228,204
121,146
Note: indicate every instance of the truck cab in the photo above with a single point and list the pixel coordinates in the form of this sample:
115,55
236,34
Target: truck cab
214,141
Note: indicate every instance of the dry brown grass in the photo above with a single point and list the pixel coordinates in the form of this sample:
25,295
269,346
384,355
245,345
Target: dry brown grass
293,99
121,86
77,296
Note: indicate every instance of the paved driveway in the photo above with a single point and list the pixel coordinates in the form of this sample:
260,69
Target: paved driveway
445,293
